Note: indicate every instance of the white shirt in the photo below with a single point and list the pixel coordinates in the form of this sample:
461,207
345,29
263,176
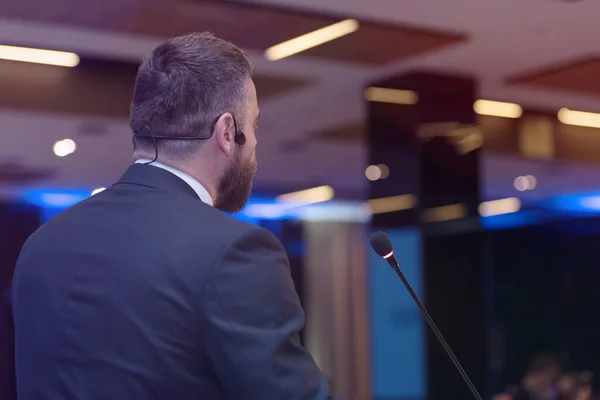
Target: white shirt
194,184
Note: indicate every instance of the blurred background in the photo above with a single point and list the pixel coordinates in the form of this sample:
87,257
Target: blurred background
466,129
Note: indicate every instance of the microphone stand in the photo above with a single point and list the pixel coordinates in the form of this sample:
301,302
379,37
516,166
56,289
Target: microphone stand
396,267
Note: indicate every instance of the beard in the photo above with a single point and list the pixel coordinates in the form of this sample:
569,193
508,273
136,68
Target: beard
235,185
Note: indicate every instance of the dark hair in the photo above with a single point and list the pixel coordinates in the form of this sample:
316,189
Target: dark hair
544,362
583,379
184,86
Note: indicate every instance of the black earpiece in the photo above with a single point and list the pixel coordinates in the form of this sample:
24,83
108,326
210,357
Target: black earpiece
239,138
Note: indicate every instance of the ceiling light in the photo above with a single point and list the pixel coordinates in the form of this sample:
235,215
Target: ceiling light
579,118
445,213
393,96
311,39
392,203
520,183
499,207
523,183
39,56
96,191
497,109
309,196
385,171
64,147
373,172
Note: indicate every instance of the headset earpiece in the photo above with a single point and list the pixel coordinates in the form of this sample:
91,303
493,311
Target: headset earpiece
240,138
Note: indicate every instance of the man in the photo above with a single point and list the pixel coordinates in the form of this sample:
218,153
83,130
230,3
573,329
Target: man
576,386
584,386
540,379
147,290
502,396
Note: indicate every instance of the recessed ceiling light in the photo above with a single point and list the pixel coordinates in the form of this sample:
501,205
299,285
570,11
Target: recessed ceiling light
523,183
579,118
499,207
497,109
393,96
373,172
39,56
311,39
308,196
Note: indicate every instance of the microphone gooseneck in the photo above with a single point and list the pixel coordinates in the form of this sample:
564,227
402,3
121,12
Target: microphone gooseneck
381,244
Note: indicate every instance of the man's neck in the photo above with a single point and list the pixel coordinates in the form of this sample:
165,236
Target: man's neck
179,166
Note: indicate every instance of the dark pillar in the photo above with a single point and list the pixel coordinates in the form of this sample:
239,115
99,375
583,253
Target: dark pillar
17,222
431,148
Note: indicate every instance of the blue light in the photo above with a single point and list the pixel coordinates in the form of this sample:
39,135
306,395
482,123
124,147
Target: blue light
579,203
53,201
265,209
591,203
55,198
512,220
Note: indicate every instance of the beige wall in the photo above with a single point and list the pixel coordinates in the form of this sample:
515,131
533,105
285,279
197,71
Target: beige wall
336,303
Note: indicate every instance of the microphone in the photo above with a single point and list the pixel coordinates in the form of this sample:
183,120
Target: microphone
380,242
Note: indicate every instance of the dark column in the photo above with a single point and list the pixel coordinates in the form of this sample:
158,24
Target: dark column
17,222
430,146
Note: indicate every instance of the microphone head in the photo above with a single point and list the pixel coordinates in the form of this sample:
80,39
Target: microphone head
380,242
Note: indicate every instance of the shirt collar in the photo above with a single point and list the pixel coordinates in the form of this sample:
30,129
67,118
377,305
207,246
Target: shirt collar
194,184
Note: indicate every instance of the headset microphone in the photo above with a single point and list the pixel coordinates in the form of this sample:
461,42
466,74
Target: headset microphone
239,136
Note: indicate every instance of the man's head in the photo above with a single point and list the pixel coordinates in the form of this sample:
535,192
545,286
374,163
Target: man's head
543,372
583,387
200,86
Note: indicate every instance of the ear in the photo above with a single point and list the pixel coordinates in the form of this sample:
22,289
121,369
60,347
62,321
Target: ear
225,133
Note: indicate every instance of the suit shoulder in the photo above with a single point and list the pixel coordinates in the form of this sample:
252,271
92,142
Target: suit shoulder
220,220
256,235
223,227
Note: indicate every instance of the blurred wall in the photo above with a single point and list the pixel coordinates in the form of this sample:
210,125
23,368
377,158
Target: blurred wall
546,295
17,222
338,325
398,333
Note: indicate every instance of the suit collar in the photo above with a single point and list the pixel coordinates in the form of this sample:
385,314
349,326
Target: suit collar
190,180
158,178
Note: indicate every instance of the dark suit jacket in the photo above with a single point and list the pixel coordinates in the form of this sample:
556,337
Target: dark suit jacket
144,292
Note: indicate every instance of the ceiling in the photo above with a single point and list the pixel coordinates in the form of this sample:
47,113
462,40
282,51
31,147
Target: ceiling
539,53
